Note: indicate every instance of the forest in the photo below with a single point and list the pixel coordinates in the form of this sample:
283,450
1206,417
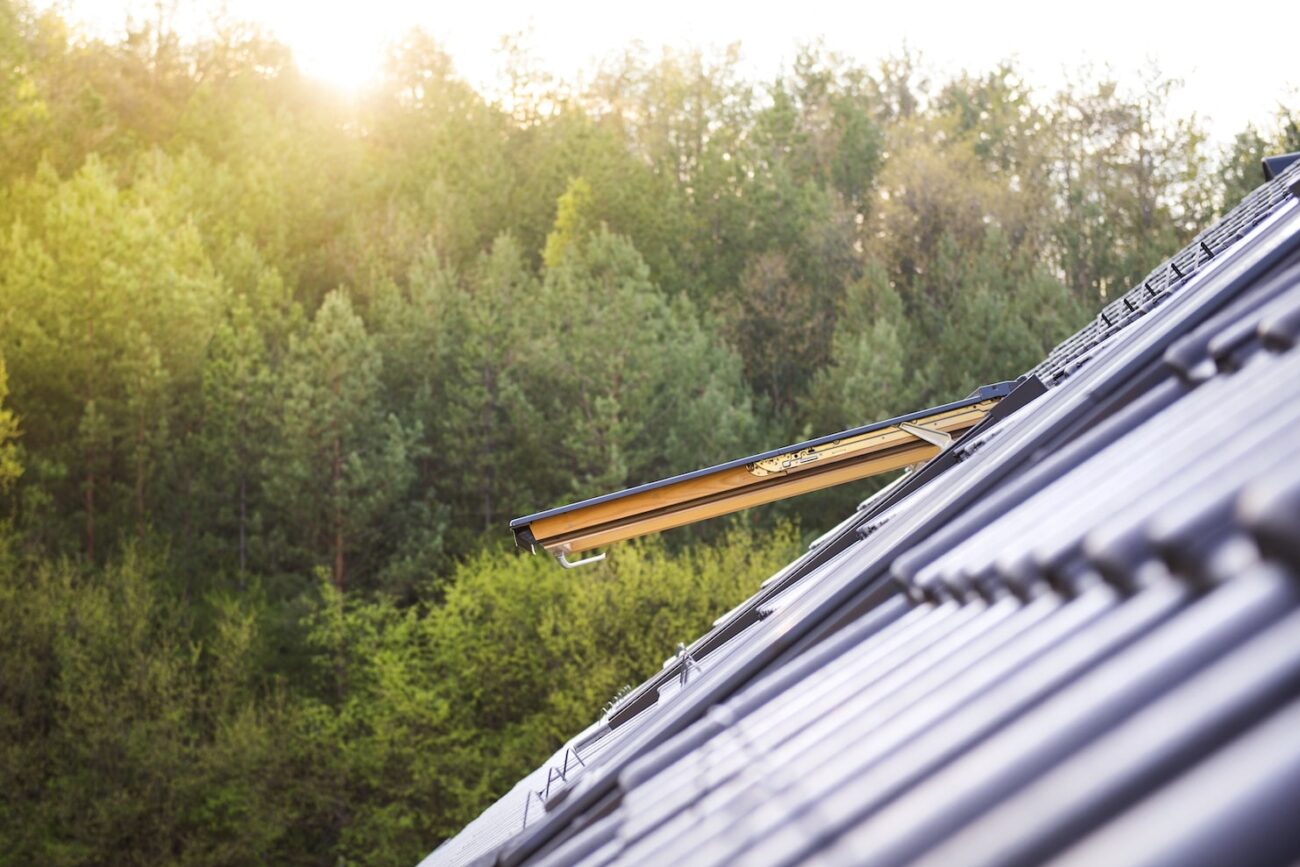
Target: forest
277,366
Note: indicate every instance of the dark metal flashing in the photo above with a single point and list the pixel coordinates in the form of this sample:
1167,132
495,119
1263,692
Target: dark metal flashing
1276,165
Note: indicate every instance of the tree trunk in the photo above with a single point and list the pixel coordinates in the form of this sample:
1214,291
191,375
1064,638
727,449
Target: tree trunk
487,418
139,475
90,505
338,515
243,485
90,449
243,526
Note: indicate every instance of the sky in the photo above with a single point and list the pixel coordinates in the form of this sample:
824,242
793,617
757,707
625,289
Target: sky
1237,68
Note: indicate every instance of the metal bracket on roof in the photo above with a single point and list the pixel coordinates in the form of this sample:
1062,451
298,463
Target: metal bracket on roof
574,564
687,663
930,435
528,801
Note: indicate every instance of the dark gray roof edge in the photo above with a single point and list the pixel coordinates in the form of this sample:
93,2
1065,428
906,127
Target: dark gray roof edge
984,392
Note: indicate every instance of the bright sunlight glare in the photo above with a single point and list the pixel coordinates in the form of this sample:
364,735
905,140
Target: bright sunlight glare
1228,80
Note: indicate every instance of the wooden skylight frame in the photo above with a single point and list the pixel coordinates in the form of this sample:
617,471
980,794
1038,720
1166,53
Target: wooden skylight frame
796,469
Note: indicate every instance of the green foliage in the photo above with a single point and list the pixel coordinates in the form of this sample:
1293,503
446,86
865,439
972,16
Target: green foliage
111,301
669,397
129,728
1241,159
10,466
1133,183
286,364
433,713
572,222
120,734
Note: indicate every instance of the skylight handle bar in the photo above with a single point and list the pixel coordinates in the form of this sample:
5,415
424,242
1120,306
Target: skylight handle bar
574,564
930,435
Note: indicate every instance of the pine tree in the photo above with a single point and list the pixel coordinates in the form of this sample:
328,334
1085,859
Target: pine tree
233,437
631,379
339,461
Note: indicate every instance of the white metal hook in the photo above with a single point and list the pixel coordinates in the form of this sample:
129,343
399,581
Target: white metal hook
574,564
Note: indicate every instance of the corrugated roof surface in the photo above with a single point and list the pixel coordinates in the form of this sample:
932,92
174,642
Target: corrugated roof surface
1074,635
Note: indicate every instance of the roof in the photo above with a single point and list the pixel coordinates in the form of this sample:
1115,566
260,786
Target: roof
1074,634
